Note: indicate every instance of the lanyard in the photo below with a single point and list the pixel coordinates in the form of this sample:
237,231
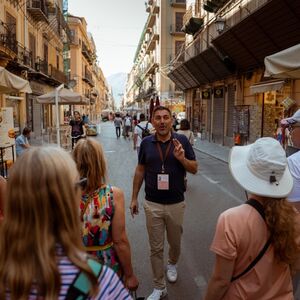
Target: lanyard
163,158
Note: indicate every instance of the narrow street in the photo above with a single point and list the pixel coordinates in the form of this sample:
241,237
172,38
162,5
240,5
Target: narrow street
210,191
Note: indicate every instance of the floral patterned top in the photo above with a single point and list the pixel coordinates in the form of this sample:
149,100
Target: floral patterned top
97,210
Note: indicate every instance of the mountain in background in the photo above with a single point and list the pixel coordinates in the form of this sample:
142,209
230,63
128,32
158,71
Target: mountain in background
117,82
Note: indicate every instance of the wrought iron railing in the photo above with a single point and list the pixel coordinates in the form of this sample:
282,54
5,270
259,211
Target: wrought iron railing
57,74
41,66
24,56
38,4
8,36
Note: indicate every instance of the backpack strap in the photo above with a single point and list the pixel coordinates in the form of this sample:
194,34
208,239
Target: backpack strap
80,287
255,204
141,136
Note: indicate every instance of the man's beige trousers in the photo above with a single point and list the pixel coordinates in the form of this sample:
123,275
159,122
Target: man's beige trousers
160,217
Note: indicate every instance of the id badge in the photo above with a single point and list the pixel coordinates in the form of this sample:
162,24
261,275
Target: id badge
163,181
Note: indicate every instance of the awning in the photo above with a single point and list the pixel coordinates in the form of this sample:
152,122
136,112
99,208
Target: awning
273,27
65,96
10,82
262,87
284,64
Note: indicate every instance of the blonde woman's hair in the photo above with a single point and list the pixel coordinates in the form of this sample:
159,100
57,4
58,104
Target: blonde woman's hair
41,212
89,157
280,219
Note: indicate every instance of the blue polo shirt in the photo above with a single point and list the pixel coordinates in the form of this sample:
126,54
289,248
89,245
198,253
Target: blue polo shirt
150,158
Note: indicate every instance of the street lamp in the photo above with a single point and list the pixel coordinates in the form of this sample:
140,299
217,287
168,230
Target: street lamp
220,24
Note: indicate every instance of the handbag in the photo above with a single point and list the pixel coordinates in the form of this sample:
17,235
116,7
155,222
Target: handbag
255,204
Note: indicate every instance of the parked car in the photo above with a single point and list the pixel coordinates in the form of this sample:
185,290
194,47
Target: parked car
91,130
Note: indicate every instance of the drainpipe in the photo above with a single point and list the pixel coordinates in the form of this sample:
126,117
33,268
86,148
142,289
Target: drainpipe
262,115
57,113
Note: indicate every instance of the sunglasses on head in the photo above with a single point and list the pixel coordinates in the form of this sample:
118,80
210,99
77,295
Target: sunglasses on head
81,183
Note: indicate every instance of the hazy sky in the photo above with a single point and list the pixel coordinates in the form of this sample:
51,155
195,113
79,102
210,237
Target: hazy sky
116,26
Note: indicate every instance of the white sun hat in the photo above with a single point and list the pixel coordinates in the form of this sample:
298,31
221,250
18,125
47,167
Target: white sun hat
261,168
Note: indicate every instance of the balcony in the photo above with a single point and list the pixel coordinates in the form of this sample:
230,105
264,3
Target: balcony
41,66
87,53
8,41
24,58
154,8
151,66
38,10
176,30
178,3
15,3
154,36
57,20
213,6
57,75
87,77
193,26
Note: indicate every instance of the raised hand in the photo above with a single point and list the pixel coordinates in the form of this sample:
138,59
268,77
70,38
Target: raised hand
178,150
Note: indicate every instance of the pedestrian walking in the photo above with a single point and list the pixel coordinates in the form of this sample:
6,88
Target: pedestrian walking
22,143
174,122
141,130
127,126
41,252
164,159
103,213
185,130
77,128
288,124
118,124
257,243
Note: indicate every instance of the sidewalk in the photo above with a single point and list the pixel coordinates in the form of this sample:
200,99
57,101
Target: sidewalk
211,149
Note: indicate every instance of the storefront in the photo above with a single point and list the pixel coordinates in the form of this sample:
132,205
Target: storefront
38,116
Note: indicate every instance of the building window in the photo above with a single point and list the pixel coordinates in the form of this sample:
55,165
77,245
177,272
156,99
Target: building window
32,47
179,21
179,49
11,24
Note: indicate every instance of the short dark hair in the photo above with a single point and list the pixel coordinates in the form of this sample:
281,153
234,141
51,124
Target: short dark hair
185,124
142,117
160,107
26,131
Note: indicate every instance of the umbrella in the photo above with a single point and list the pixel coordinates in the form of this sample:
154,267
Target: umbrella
284,64
65,96
151,107
10,82
61,95
157,101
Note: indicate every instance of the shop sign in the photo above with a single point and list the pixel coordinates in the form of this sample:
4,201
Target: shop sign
7,132
288,103
206,94
270,97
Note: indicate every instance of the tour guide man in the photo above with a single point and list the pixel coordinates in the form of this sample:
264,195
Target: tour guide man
163,161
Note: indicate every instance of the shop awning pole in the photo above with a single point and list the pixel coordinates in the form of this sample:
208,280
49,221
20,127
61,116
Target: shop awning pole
57,113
